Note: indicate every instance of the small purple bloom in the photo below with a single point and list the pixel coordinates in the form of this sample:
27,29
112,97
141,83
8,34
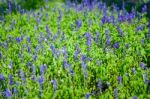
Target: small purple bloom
133,70
15,91
18,39
41,80
11,80
116,45
0,55
135,97
33,77
77,52
54,84
116,93
28,39
144,9
108,41
87,96
120,79
42,69
142,65
10,6
7,93
78,23
88,39
99,85
148,35
48,31
10,65
1,77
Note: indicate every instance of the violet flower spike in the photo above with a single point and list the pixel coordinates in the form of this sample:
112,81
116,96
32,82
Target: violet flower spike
11,80
87,96
7,93
120,79
116,93
1,77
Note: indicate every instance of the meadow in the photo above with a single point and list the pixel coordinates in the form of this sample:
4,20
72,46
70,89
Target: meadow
70,51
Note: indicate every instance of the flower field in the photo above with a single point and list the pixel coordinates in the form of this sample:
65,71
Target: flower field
70,51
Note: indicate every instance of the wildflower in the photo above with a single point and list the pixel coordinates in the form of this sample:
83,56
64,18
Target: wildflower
42,69
120,31
0,55
28,39
1,77
116,93
15,90
108,41
10,6
87,96
135,97
144,9
78,23
48,31
10,65
7,93
41,80
120,79
133,70
88,40
54,84
11,80
18,39
99,85
77,52
142,65
33,69
148,35
105,19
116,45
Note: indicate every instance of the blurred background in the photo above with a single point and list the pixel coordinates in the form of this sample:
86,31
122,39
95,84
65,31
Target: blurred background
14,5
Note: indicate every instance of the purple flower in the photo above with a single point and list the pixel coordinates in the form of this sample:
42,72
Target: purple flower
87,96
148,35
10,65
133,70
7,93
65,64
120,79
11,80
15,91
22,76
116,45
33,77
1,77
105,19
33,69
120,31
88,40
28,39
18,39
78,23
0,55
116,93
135,97
99,85
10,6
42,69
108,41
48,31
144,9
41,80
54,84
77,52
142,65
